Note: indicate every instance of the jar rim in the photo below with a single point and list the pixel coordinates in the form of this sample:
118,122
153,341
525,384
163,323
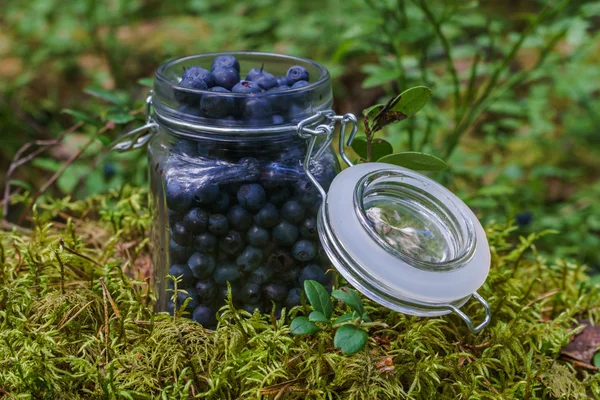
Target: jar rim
161,77
460,229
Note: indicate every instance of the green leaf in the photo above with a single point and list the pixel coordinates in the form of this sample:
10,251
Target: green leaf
317,316
318,297
22,184
79,116
372,111
302,326
416,161
596,360
380,148
411,100
351,298
119,117
398,108
109,96
350,339
148,82
593,281
345,318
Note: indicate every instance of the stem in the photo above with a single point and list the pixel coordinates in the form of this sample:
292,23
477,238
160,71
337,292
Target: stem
449,59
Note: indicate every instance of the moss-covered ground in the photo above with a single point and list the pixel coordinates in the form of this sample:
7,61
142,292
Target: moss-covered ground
76,322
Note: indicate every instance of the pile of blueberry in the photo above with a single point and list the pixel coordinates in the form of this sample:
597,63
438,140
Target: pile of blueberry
224,77
246,220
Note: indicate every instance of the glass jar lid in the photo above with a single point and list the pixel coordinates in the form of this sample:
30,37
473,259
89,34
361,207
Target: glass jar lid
401,238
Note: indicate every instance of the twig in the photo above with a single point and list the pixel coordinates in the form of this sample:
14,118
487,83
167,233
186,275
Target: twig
106,325
62,169
112,303
18,161
75,315
62,243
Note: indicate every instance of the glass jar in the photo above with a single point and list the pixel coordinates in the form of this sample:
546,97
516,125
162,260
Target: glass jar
245,192
230,199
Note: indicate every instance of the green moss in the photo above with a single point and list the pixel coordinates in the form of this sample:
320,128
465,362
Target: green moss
55,342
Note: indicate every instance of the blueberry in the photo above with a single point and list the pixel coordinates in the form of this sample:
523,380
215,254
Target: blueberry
253,73
196,72
252,196
297,111
265,80
195,220
524,218
285,233
226,273
231,243
202,265
181,298
275,174
221,205
204,315
294,298
194,81
250,293
206,290
256,108
300,84
225,62
288,275
292,211
280,88
277,119
282,81
109,170
187,109
174,217
308,228
246,87
304,250
307,192
222,291
226,77
267,217
257,236
217,224
281,260
178,197
205,242
279,196
216,105
177,253
275,291
180,234
239,218
313,272
205,193
250,258
261,275
297,73
184,272
252,307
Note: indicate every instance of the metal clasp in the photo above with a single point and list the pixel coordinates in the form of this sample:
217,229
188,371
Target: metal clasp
326,129
464,317
140,136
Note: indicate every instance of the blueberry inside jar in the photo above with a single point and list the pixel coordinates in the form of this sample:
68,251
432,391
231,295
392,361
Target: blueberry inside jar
230,199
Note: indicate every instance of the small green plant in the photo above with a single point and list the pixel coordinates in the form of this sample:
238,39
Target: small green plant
350,335
397,109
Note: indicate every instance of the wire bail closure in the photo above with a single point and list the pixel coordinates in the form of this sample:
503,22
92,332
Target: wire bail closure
138,137
326,129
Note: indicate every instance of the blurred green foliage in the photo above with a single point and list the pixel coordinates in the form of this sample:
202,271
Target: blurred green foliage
514,113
